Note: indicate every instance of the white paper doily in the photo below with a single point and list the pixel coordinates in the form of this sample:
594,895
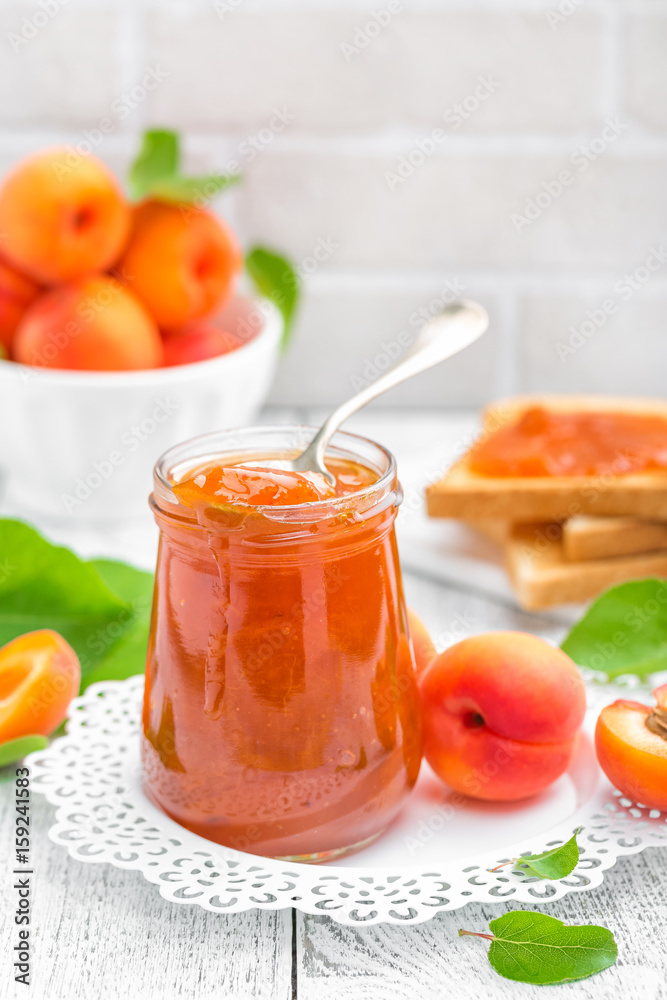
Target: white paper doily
92,775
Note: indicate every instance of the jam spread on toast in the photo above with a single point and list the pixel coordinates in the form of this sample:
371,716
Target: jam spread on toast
542,442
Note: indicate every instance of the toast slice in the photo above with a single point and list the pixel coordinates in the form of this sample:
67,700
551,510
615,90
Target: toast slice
542,577
586,537
466,494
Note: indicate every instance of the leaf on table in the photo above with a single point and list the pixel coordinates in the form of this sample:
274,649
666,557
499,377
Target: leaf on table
556,863
624,631
17,749
101,607
275,278
531,947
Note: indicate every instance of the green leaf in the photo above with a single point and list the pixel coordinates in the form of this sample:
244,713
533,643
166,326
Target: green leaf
158,159
532,947
47,586
127,655
181,190
132,585
17,749
156,173
624,631
124,658
101,607
556,863
275,278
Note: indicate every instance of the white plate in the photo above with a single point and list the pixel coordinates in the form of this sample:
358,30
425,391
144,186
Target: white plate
435,856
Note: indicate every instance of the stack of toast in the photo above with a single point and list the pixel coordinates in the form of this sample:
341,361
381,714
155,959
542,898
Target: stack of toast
565,538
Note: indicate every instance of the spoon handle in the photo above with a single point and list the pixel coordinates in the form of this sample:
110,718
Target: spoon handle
451,331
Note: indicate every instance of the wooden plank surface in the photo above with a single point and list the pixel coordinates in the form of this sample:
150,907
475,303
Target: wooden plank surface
99,933
430,962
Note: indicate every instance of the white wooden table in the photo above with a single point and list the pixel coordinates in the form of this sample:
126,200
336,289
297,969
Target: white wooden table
98,932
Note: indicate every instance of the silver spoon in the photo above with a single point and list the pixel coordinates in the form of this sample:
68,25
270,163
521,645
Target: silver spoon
451,331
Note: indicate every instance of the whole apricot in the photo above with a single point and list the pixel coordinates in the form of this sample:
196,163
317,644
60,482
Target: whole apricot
181,261
197,341
17,291
39,676
631,746
501,714
94,324
62,220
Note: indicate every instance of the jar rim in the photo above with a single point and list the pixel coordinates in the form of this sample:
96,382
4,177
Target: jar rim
208,445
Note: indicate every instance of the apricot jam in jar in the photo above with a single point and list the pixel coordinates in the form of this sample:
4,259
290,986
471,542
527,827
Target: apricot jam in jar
281,712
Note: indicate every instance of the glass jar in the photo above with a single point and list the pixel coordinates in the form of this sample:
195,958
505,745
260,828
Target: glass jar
281,711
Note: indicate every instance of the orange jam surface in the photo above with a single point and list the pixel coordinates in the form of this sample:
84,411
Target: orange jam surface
281,711
546,443
224,486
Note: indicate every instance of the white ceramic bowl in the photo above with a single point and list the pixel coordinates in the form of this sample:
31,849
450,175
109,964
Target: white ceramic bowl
82,445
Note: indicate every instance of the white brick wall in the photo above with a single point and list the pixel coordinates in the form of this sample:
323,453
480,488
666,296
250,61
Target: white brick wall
413,151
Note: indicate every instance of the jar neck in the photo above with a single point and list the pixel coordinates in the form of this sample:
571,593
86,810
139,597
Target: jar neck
341,523
371,504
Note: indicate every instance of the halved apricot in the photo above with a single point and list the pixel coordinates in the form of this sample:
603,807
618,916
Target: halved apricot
631,745
39,676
